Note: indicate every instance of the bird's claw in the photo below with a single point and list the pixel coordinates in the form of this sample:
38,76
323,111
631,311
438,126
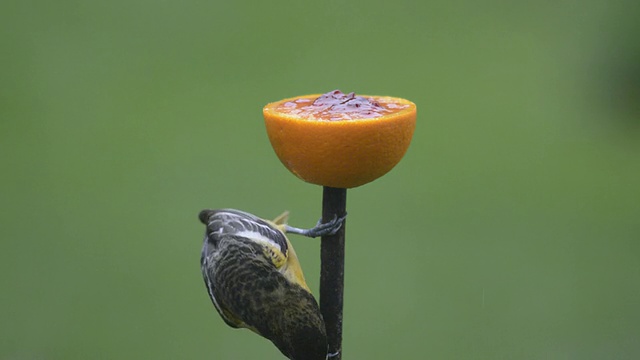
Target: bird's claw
329,228
321,229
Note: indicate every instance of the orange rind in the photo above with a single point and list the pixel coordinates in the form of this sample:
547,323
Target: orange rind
338,149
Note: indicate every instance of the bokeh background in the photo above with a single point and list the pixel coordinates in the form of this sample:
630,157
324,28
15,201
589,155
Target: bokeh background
510,230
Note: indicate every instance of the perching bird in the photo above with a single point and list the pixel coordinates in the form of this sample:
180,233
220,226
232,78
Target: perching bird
255,281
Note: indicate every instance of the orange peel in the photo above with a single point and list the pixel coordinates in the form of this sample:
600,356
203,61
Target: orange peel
342,153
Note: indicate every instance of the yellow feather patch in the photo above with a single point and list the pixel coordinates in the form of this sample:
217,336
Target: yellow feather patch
275,255
290,268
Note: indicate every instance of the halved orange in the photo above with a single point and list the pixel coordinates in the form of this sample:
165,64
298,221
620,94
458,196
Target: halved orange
328,142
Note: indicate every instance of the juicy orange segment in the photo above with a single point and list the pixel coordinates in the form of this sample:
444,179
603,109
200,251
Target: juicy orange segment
340,140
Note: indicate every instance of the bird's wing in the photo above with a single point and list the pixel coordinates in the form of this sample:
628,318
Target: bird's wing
226,315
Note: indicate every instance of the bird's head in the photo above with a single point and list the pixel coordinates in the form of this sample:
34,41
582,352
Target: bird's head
268,234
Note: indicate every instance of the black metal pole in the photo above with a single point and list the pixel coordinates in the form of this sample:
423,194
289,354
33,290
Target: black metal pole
334,203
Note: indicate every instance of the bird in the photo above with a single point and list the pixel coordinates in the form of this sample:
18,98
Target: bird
255,281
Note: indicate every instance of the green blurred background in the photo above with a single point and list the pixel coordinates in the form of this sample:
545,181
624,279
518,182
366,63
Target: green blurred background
510,230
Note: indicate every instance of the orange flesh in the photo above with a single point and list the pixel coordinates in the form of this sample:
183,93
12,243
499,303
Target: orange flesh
335,106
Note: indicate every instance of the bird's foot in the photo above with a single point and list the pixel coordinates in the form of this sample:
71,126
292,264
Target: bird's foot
328,228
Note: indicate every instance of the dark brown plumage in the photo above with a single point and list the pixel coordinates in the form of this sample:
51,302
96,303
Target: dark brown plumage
250,271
